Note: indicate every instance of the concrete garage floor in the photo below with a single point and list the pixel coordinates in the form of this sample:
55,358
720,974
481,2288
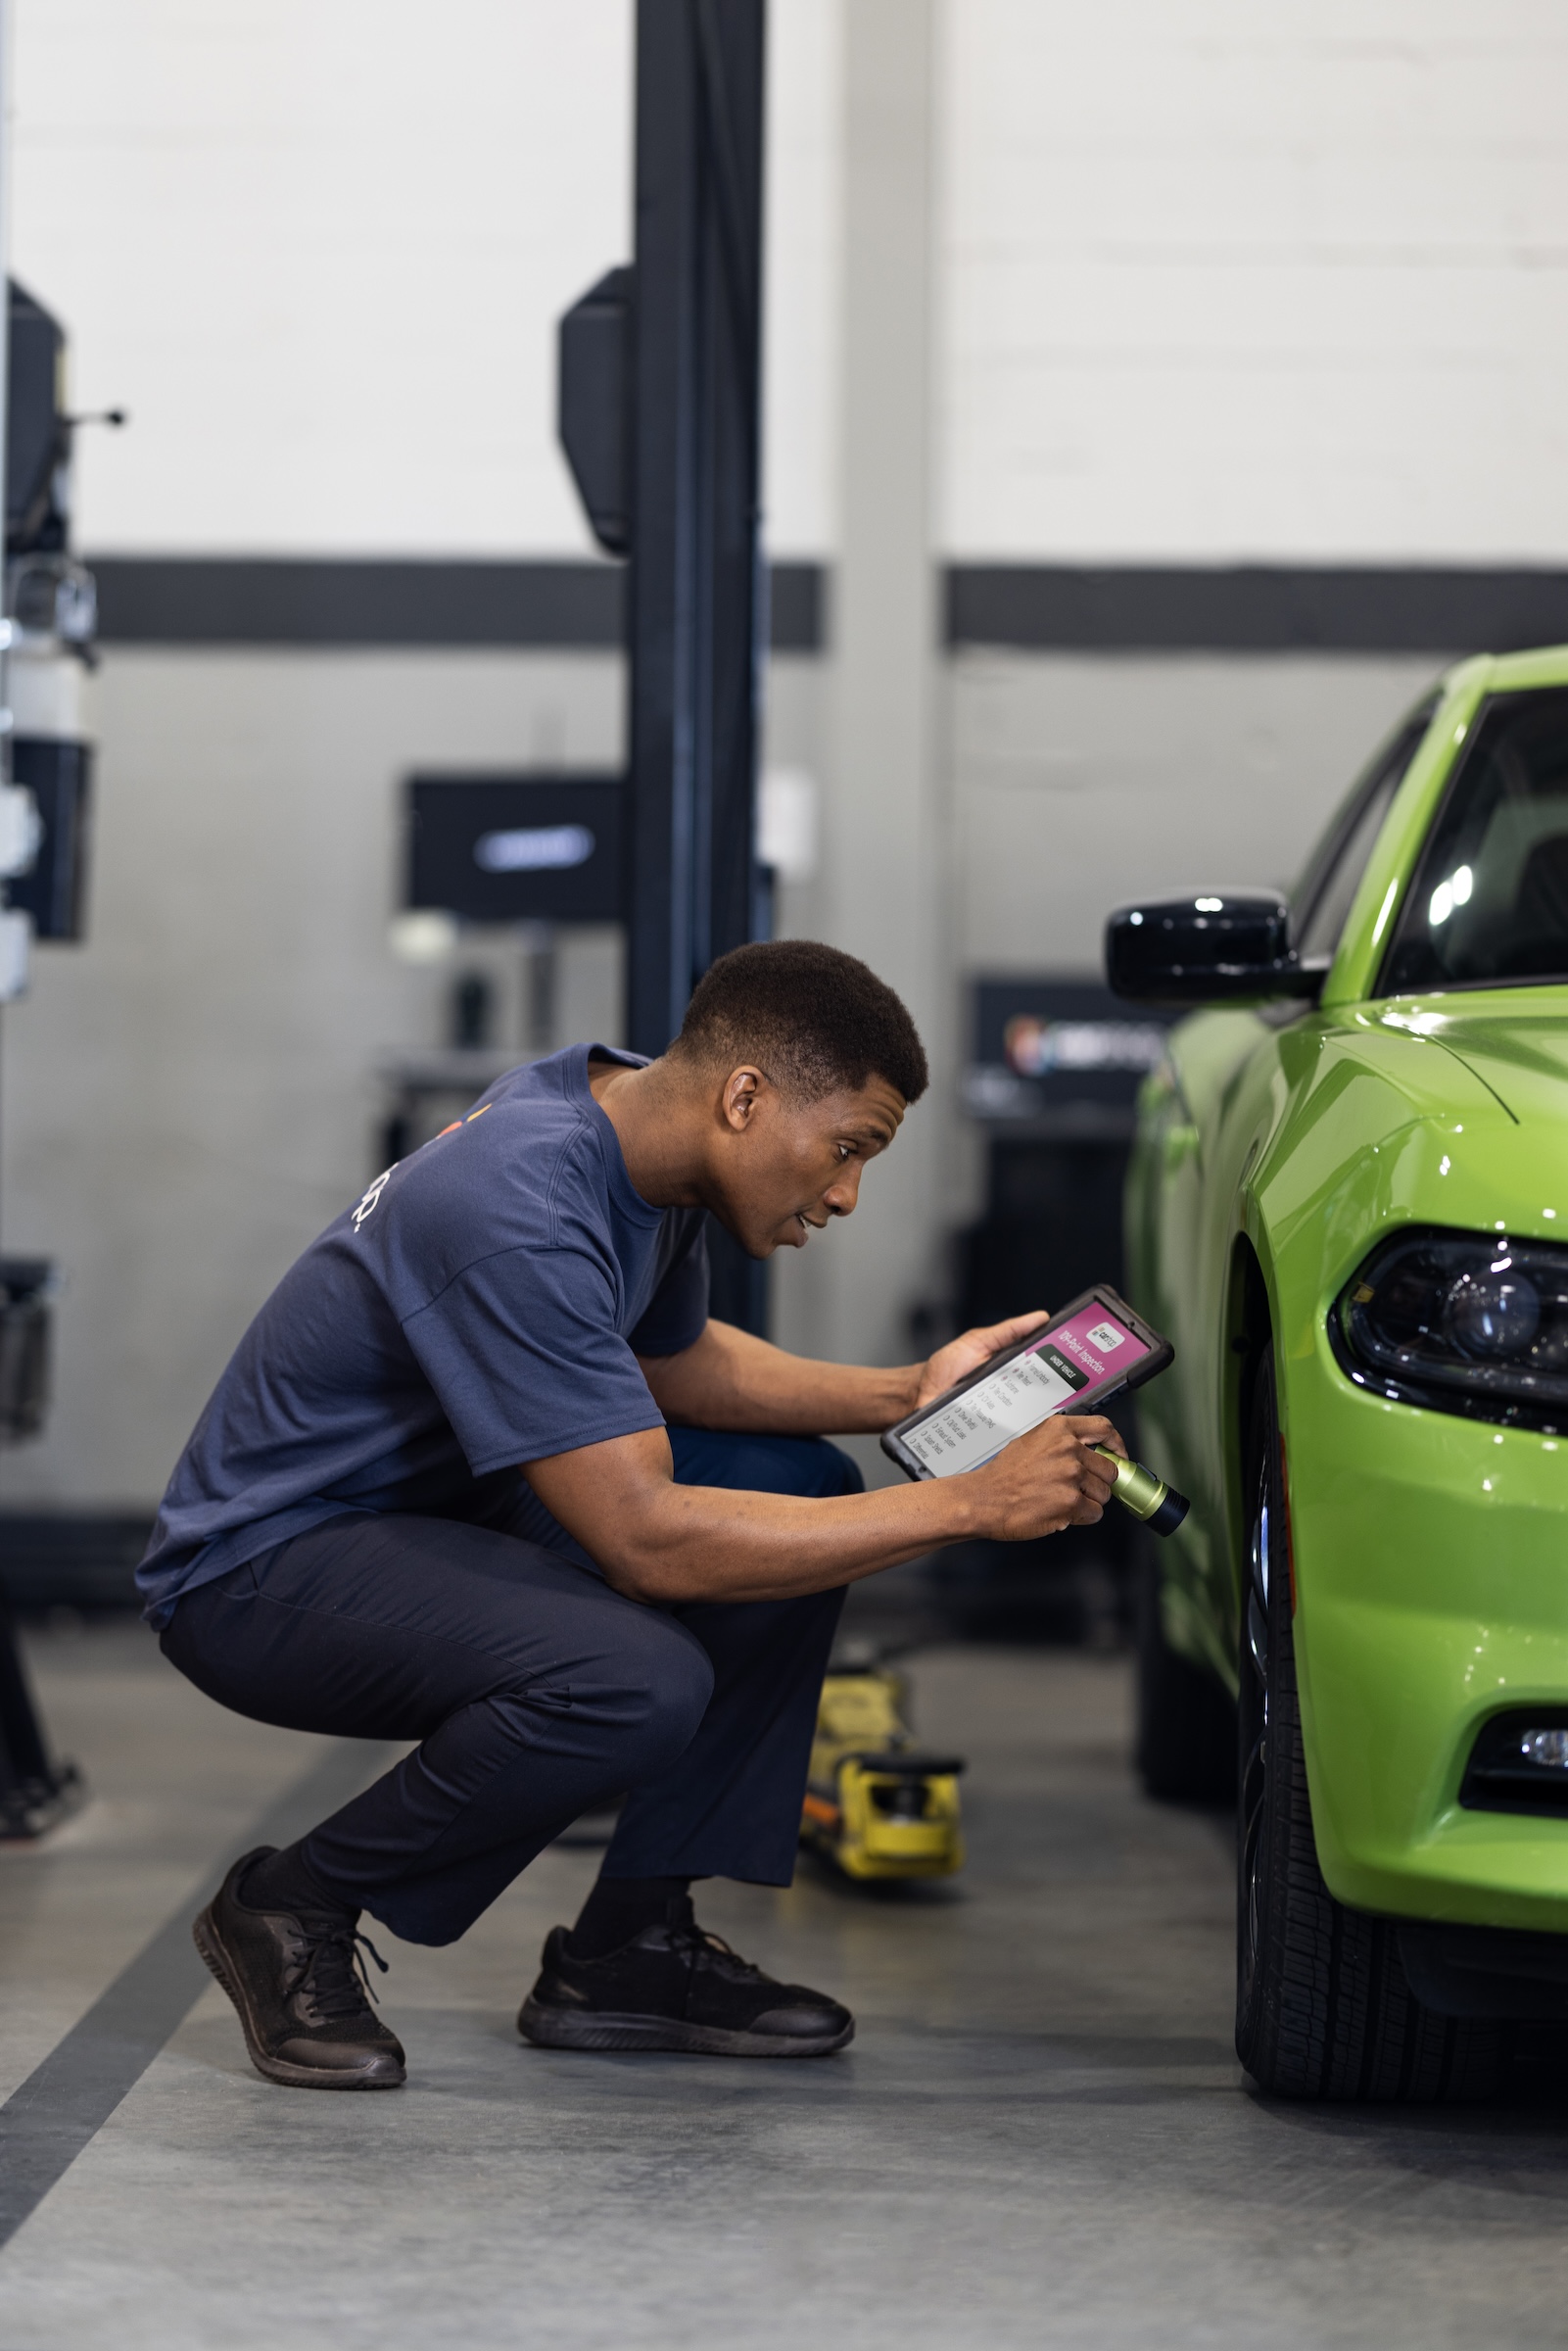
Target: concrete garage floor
1039,2138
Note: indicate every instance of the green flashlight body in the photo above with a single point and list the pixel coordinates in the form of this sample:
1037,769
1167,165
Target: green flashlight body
1160,1508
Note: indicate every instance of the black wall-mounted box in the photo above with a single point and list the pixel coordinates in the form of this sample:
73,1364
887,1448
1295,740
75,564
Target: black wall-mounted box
516,849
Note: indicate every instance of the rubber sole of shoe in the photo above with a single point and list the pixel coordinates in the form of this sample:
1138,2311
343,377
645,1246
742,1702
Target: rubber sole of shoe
549,2027
205,1936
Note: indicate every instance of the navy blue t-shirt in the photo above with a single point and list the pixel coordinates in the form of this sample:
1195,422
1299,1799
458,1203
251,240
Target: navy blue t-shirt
484,1305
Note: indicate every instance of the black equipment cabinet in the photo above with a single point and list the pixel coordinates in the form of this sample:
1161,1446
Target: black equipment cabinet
1052,1081
58,772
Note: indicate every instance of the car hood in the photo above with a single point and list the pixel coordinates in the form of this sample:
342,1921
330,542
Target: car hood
1515,1040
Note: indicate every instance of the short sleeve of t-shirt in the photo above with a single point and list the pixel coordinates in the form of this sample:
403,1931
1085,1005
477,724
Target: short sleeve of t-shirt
522,1352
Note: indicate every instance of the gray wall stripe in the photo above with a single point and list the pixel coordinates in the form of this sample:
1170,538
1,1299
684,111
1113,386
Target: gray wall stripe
47,2122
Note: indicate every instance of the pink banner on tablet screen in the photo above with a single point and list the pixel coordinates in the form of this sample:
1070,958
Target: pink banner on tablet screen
1097,1343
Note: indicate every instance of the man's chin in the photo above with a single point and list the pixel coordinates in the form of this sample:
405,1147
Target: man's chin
793,1235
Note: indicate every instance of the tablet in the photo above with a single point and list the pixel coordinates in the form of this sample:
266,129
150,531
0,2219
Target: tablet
1093,1350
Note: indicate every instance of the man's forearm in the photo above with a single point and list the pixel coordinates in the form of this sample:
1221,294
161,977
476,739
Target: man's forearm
669,1544
708,1543
729,1379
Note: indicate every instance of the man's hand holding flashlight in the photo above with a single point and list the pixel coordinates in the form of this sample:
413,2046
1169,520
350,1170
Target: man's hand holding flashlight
1049,1478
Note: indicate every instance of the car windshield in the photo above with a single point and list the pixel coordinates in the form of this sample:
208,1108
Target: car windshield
1323,896
1489,904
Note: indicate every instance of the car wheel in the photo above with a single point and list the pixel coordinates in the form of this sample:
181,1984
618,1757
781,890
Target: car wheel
1186,1751
1324,2009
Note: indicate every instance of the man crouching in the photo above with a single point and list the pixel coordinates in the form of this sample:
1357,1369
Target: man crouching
483,1475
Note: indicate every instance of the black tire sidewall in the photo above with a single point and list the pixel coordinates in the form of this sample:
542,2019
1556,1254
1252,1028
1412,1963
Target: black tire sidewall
1268,1833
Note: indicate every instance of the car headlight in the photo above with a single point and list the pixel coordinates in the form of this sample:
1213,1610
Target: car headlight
1462,1322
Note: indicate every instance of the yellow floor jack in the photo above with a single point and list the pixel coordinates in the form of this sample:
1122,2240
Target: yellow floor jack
876,1805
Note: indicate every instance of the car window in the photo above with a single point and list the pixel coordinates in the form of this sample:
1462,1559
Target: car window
1489,903
1334,872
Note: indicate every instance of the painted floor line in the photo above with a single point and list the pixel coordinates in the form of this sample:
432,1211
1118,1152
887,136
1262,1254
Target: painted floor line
52,2116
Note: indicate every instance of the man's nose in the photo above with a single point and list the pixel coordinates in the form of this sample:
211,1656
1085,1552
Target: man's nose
840,1196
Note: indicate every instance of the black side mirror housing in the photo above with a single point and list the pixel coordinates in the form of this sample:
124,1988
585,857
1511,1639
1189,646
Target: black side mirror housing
1222,947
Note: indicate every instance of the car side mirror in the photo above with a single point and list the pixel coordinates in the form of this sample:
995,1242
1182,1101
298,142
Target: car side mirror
1223,945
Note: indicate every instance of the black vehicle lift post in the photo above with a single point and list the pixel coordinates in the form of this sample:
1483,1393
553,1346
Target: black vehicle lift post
660,420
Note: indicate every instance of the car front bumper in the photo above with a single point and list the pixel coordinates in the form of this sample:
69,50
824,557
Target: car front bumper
1431,1568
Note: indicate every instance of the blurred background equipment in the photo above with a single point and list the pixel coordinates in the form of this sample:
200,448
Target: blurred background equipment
526,859
52,607
516,849
1052,1074
876,1805
1055,1069
45,771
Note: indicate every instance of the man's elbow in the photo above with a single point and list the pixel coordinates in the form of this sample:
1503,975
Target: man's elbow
646,1573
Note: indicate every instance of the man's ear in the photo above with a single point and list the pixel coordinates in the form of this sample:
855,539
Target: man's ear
743,1091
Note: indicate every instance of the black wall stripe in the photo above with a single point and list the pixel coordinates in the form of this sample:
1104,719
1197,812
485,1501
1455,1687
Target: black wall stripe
1254,608
1039,607
198,599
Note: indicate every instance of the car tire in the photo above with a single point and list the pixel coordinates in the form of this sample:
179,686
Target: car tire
1323,2008
1186,1747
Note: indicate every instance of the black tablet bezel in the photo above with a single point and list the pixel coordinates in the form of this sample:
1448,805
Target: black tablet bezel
1160,1355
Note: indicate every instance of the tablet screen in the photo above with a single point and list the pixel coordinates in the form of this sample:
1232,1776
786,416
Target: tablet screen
1090,1350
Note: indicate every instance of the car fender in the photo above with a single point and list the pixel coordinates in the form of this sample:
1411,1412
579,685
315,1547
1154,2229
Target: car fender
1365,1149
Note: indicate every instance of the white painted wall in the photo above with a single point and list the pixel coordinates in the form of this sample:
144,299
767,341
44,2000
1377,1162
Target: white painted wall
1224,280
318,248
1080,784
802,233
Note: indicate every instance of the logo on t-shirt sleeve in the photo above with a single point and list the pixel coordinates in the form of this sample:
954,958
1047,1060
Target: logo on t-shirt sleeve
367,1205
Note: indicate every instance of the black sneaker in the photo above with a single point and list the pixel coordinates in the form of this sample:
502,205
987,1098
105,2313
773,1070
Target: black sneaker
677,1987
296,1984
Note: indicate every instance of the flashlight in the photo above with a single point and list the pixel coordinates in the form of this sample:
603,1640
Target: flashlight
1160,1508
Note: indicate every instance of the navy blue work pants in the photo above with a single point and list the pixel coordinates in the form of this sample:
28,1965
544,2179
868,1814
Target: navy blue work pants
535,1693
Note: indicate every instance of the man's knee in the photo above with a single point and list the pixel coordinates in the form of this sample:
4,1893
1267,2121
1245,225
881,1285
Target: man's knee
836,1464
664,1680
762,1465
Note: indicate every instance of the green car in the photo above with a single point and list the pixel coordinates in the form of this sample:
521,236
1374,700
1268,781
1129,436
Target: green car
1348,1207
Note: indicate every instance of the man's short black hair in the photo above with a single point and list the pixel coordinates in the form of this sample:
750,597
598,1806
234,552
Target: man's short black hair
812,1017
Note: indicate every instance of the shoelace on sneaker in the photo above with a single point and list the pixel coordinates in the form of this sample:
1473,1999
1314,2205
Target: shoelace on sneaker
334,1971
706,1947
